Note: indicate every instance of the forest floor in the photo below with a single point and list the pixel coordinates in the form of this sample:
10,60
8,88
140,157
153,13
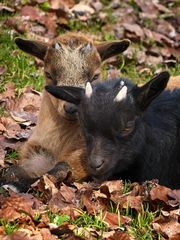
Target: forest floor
114,209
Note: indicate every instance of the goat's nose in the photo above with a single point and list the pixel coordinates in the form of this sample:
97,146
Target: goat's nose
96,162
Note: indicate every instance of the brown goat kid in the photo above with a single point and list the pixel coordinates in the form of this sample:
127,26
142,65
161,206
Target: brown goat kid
71,59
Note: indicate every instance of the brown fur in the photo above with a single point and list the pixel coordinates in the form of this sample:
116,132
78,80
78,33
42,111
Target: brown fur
58,137
71,67
174,82
55,139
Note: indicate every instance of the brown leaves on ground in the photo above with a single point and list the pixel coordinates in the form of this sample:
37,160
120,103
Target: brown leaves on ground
18,118
34,217
35,213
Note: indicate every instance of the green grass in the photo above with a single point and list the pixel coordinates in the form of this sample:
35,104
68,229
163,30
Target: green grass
12,155
37,217
127,187
90,221
129,70
3,112
9,227
58,219
93,26
141,227
20,67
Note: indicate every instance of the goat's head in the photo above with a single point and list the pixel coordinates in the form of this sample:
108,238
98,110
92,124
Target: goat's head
72,58
110,114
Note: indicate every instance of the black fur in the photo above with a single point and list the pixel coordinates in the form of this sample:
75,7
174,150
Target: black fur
137,138
13,175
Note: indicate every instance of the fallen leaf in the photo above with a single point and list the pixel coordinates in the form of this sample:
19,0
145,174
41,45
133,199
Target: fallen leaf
147,8
25,118
158,37
2,156
61,4
6,8
160,193
165,28
168,228
2,128
116,185
175,195
135,28
133,202
31,12
161,7
13,205
153,60
68,193
119,235
82,11
114,220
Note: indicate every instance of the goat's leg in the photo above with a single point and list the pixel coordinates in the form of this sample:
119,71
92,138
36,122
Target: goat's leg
16,178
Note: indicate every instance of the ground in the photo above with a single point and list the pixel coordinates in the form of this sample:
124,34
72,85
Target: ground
113,210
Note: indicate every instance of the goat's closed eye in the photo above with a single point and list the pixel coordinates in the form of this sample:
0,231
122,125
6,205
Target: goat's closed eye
128,128
95,77
48,75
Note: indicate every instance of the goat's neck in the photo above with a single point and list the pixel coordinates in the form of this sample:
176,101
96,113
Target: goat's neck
53,130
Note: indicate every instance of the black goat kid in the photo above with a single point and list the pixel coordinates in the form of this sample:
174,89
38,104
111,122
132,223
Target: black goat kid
131,132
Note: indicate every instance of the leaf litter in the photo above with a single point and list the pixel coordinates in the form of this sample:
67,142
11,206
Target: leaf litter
42,212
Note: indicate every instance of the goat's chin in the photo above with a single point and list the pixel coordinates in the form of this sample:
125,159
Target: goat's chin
103,175
102,178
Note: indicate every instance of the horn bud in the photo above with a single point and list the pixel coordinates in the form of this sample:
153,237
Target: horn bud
121,94
58,47
86,48
88,90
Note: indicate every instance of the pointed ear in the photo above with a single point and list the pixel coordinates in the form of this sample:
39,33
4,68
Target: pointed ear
145,94
110,49
66,93
35,48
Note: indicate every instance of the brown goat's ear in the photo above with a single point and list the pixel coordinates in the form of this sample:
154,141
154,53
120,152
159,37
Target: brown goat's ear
66,93
110,49
35,48
145,94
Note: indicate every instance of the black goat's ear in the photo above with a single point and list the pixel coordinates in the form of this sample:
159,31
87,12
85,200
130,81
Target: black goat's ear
145,94
112,48
66,93
35,48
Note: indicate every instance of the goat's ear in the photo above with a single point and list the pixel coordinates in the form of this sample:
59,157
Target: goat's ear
110,49
35,48
145,94
66,93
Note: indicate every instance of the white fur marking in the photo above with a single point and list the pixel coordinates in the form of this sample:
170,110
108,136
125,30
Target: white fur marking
88,91
121,95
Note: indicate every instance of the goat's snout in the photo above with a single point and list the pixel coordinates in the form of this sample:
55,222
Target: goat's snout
96,163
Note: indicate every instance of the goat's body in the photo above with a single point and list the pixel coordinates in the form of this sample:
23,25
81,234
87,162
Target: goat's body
154,151
131,132
159,155
55,139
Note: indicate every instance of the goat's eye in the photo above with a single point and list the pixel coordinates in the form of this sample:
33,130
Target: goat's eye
95,77
128,128
48,75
